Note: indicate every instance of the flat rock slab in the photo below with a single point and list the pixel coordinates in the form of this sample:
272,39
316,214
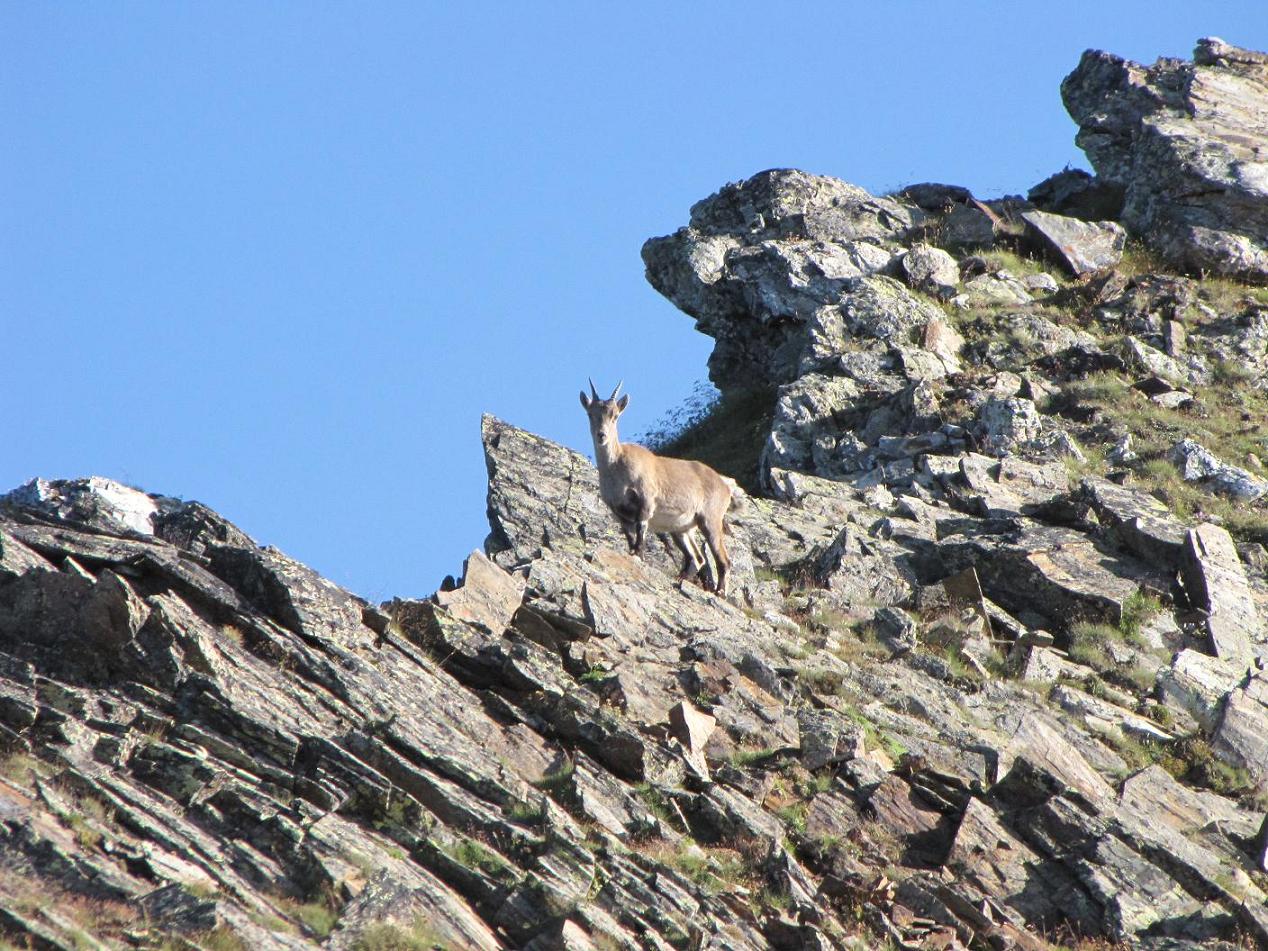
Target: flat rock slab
1061,573
1010,487
1045,750
1216,582
986,852
1082,247
1136,521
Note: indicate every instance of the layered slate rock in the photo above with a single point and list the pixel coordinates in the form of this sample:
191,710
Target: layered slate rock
1242,733
571,750
1184,142
1216,582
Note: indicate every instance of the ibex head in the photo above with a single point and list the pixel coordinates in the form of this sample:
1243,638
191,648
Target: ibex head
603,413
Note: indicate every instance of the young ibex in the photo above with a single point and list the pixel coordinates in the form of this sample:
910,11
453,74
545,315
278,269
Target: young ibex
650,492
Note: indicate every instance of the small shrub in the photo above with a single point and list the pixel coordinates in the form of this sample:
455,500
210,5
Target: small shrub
1087,640
223,938
22,768
527,812
656,803
793,815
318,915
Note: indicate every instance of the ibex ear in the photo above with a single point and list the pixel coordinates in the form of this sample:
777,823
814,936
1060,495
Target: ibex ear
585,400
623,402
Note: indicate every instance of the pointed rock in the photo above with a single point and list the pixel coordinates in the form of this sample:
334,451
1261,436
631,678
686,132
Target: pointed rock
488,597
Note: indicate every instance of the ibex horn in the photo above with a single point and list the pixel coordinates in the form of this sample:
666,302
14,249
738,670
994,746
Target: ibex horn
593,391
617,390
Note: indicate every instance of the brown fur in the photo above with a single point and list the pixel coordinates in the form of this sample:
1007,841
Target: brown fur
659,494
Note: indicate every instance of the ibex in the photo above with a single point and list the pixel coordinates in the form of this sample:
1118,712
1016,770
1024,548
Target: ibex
647,492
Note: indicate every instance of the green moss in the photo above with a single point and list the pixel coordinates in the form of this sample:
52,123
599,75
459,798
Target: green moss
821,680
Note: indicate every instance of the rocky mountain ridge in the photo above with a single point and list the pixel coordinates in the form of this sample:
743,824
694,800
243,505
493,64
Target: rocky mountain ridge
992,675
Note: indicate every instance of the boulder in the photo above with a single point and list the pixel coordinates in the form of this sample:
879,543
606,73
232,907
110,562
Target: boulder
1081,247
1136,521
1076,193
969,226
1006,424
1183,141
931,270
1198,464
881,308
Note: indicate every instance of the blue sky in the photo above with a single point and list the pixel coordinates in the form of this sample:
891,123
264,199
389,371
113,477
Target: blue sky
280,257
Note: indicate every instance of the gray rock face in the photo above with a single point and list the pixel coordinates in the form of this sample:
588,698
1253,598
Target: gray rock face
761,255
1082,247
1183,141
568,715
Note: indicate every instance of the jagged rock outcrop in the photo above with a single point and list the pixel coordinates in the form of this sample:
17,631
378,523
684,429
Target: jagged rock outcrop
758,258
1184,142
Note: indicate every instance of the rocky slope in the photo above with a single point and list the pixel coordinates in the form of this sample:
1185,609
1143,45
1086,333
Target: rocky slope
992,674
